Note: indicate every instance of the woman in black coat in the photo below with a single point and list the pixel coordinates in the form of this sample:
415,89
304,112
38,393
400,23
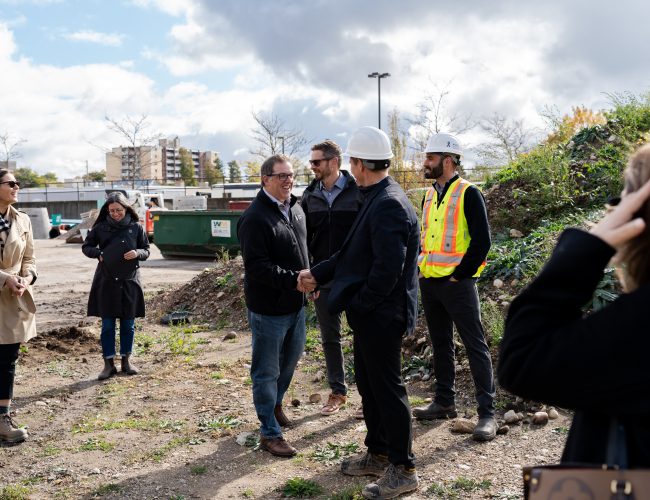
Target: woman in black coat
596,365
119,242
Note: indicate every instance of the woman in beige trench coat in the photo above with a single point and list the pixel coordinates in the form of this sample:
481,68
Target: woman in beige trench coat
17,274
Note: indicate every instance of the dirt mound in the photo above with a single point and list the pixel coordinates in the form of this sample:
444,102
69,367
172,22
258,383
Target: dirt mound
66,340
216,296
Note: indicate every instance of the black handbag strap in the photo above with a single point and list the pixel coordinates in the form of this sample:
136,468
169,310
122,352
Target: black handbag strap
617,456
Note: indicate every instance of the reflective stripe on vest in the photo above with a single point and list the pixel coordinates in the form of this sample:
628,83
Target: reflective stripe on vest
444,236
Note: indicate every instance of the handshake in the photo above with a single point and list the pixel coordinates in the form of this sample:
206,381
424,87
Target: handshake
307,284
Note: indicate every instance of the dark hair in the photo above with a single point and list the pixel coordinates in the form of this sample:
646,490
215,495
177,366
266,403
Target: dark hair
454,158
3,172
329,149
373,165
116,197
269,163
636,253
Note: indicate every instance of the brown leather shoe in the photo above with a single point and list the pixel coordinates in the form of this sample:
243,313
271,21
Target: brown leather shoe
333,405
277,446
281,417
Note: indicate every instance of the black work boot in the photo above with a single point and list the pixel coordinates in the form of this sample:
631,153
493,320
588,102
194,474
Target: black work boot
434,410
485,430
109,369
127,367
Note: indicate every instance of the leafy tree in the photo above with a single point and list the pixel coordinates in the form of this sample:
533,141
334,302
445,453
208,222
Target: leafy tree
49,178
96,176
303,171
253,171
30,178
397,140
567,126
219,169
187,167
214,172
234,174
406,174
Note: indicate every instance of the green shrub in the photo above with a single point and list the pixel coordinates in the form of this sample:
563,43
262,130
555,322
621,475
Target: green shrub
298,487
553,180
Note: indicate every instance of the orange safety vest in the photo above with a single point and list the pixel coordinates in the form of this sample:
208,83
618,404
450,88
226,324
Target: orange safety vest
444,235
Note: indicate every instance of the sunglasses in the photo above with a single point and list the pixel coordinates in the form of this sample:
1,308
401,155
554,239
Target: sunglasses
316,163
282,177
12,184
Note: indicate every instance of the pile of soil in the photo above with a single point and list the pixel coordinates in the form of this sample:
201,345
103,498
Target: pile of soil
73,340
215,297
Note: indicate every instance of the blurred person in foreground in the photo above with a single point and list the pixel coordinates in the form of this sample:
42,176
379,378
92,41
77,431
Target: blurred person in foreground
119,243
17,275
596,364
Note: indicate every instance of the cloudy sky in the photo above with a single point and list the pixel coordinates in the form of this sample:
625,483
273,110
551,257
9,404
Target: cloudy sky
199,68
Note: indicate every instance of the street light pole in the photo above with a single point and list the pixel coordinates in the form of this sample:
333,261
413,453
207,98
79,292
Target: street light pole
378,76
282,139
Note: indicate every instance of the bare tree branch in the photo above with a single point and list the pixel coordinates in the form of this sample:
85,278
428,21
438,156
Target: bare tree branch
434,117
508,139
134,132
273,137
10,147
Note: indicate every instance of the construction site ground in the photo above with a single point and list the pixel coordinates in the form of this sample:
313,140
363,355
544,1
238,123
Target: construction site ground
185,427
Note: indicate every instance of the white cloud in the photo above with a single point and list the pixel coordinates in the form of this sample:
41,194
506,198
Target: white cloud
308,64
172,7
109,39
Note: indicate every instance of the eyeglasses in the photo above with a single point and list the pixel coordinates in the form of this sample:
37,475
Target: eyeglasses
316,163
12,184
282,176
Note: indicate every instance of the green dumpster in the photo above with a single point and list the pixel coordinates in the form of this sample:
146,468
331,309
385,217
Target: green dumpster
196,233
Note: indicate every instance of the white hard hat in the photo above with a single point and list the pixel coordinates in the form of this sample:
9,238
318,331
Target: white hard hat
369,143
443,143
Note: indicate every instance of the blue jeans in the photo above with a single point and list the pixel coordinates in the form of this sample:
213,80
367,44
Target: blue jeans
278,343
127,332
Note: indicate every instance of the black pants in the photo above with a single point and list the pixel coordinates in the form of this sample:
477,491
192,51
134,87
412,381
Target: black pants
447,303
8,357
377,367
330,333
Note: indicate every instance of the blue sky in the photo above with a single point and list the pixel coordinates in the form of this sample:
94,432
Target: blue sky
199,68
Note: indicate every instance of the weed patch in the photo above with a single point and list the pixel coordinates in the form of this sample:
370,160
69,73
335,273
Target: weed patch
198,469
298,487
219,424
93,444
349,493
106,489
14,492
92,424
457,488
333,452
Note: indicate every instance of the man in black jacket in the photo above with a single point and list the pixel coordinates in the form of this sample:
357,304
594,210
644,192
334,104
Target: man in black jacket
374,279
330,203
272,234
455,243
